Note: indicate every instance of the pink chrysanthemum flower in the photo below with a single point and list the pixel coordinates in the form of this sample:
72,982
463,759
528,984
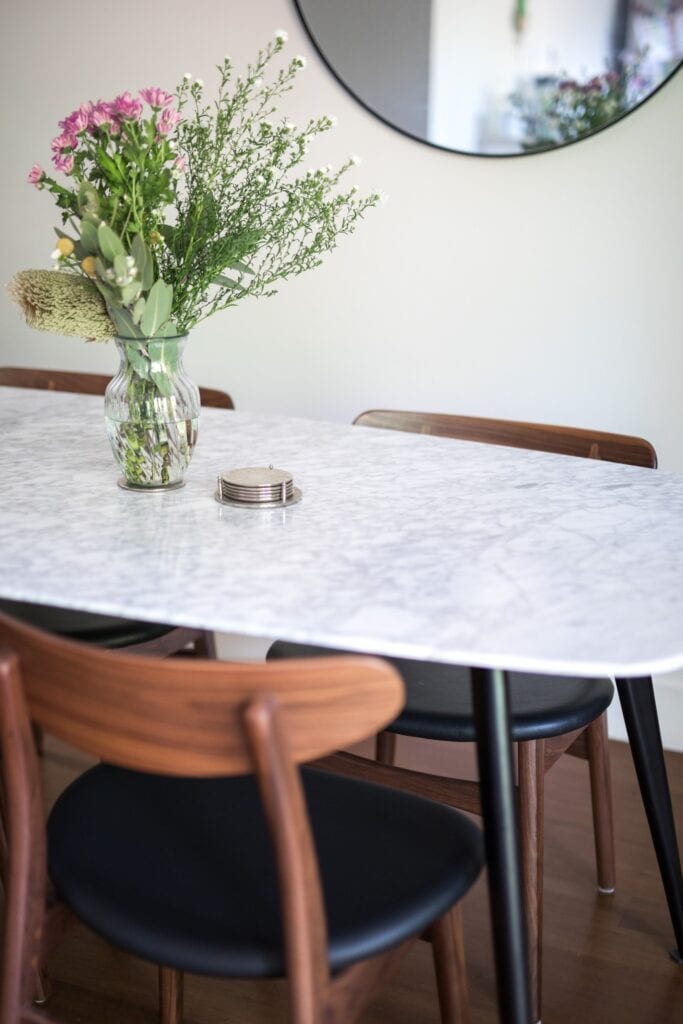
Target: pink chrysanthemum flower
35,175
64,162
101,115
167,121
63,142
77,121
126,107
157,98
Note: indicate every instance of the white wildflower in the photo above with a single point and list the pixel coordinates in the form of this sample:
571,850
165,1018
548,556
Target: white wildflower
199,82
354,160
55,255
281,36
299,61
187,76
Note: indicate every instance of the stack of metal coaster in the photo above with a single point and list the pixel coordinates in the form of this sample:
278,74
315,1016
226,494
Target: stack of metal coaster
257,487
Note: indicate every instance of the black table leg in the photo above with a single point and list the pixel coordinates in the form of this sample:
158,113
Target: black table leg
494,752
640,714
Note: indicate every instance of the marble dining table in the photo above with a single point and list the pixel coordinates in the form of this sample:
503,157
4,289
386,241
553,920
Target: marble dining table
402,544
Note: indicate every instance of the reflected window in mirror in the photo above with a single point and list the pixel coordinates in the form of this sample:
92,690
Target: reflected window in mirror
500,77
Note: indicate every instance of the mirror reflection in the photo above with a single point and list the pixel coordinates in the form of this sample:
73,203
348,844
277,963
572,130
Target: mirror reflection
500,77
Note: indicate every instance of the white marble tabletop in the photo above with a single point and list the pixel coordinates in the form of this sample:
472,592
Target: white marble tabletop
403,544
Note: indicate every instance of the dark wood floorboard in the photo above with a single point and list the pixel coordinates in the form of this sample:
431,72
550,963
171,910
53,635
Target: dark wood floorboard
605,956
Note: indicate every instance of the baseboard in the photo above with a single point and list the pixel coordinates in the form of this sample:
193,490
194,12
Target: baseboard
669,698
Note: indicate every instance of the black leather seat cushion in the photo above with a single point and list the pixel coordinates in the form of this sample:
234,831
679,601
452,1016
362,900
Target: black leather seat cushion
180,871
439,702
99,630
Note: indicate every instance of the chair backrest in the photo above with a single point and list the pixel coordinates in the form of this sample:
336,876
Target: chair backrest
185,716
87,383
590,444
180,717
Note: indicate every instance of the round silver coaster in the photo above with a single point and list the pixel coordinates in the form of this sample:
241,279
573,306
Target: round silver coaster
122,482
295,496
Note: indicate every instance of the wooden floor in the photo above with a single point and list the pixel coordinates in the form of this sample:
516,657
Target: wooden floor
606,958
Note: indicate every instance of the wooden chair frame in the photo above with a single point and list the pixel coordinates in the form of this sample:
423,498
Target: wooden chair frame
201,718
536,757
86,383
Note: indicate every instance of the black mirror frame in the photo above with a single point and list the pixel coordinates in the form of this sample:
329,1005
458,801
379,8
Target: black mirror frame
464,152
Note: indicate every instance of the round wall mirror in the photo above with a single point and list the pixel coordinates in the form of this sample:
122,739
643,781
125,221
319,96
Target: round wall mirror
500,78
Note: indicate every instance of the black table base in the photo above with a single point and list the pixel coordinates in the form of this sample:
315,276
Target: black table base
501,837
642,725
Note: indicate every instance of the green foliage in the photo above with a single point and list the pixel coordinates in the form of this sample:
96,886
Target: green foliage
244,219
177,219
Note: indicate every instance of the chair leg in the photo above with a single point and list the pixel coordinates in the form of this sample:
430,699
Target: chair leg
170,996
43,987
385,747
531,772
205,645
448,949
601,797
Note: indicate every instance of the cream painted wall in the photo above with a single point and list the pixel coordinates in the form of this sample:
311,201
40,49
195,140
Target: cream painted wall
541,288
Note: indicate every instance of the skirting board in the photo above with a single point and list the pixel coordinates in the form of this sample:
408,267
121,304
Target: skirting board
669,698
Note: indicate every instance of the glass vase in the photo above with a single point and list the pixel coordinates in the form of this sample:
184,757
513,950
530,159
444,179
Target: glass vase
151,409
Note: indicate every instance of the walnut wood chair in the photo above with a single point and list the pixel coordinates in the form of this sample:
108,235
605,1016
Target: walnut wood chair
198,843
549,715
104,630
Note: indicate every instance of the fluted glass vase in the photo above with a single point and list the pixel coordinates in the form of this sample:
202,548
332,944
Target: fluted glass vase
151,409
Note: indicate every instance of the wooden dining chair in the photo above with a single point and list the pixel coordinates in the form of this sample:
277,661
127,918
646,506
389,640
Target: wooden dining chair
549,715
104,630
199,843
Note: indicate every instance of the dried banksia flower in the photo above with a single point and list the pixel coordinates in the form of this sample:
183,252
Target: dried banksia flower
62,304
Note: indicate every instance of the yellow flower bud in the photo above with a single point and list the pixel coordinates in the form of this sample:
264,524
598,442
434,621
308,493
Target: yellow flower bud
155,237
65,246
88,266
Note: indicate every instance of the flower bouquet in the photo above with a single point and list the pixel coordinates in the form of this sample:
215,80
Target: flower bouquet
174,209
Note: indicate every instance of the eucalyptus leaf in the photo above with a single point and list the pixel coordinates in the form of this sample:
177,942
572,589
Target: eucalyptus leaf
167,330
101,271
225,282
168,354
125,327
242,267
110,243
139,360
129,293
138,310
162,381
143,261
89,238
157,308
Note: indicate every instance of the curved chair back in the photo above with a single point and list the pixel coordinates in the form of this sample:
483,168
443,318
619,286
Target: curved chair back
590,444
177,717
180,717
87,383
